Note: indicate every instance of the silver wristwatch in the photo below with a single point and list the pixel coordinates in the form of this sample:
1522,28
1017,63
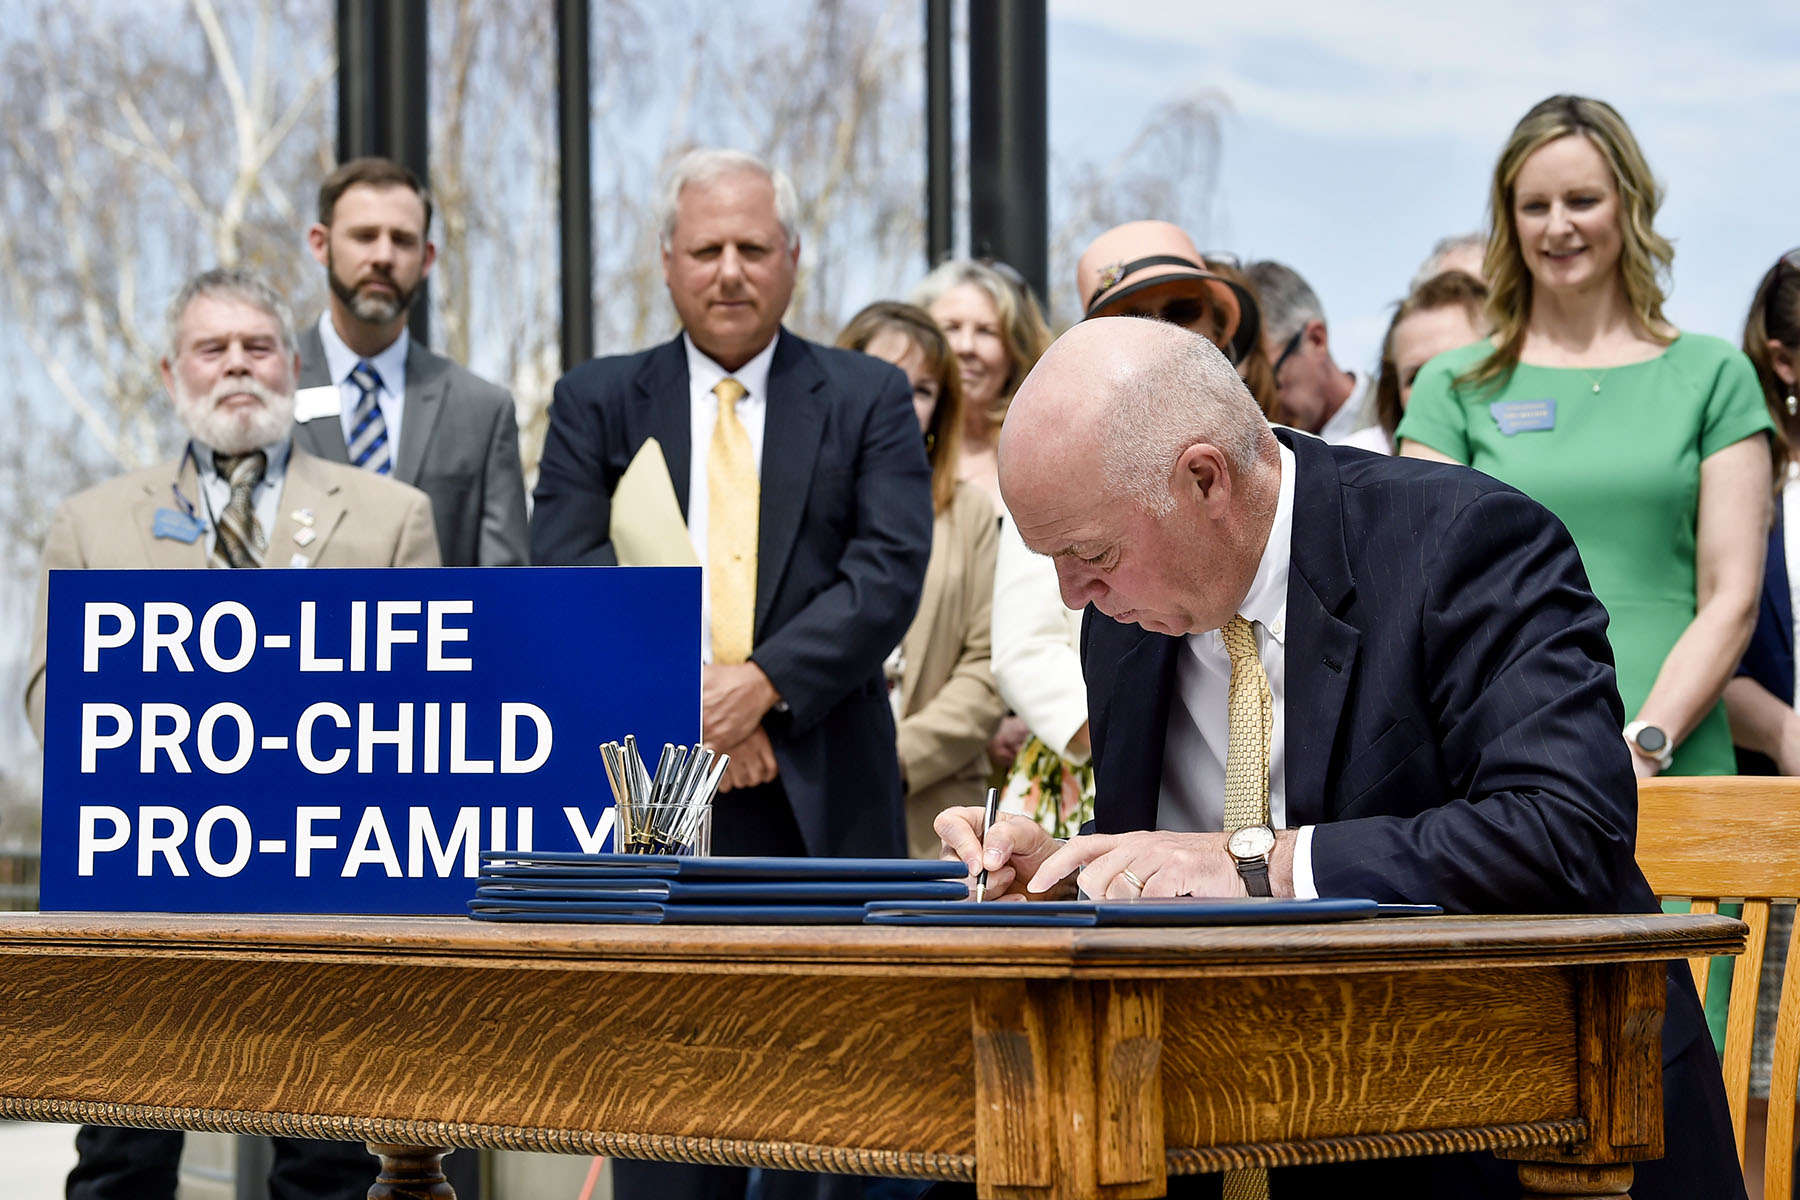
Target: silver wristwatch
1651,742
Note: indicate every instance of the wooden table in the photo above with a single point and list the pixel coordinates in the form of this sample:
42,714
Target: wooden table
1043,1063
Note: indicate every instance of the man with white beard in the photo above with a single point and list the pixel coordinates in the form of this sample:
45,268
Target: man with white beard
239,495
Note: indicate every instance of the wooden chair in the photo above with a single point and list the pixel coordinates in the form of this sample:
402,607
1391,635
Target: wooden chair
1736,838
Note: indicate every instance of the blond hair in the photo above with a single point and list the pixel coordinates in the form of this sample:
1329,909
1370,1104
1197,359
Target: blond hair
1645,254
1023,331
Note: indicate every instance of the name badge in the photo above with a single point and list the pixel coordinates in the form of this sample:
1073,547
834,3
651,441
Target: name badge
172,523
315,402
1524,416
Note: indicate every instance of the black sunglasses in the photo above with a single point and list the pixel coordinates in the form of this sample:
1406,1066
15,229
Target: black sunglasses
1181,310
1006,271
1287,351
1187,312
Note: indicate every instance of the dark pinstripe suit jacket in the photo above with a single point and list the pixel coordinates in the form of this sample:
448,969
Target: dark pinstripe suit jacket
1452,726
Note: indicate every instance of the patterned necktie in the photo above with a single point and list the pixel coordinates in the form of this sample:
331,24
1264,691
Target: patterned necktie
368,430
237,542
733,496
1252,709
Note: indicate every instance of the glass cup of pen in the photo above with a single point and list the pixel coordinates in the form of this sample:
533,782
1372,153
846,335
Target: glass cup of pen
670,811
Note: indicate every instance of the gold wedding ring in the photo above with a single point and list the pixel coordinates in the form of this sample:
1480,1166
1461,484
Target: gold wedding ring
1133,880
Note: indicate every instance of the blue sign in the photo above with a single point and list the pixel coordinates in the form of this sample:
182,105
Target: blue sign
344,741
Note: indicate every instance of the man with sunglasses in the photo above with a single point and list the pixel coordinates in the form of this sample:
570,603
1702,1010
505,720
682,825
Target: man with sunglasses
1317,395
1152,269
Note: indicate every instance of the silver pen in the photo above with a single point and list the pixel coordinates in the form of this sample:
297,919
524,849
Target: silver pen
987,821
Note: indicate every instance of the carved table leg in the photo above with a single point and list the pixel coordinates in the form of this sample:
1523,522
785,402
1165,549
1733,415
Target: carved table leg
1555,1180
411,1173
1619,1044
1068,1091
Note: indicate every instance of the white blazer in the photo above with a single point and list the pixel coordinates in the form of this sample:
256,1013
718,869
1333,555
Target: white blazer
1037,645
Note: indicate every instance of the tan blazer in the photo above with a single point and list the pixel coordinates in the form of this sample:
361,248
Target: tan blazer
949,704
360,519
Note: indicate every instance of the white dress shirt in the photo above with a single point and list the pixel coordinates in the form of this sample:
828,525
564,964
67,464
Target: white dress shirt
703,411
1352,415
390,364
1192,799
265,497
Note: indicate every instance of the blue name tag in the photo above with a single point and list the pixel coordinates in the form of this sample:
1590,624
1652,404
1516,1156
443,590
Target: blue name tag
1523,416
178,525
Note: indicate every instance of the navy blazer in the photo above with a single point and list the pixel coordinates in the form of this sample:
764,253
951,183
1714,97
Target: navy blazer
844,535
1452,727
1769,658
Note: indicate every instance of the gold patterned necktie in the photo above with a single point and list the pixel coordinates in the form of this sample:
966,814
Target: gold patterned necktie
733,497
237,542
1252,709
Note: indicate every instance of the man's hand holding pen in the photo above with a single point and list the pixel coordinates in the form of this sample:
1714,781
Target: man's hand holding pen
1015,846
1025,863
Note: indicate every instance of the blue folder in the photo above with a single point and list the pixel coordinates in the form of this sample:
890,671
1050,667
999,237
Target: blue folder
600,912
1184,910
516,864
722,891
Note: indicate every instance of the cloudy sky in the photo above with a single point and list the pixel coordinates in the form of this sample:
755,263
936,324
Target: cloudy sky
1358,133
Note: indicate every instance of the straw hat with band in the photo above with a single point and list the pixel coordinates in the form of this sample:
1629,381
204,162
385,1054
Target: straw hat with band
1152,262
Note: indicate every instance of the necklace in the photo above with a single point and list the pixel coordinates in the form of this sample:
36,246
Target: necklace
1595,377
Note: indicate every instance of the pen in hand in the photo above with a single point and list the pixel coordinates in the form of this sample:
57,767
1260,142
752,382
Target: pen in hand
987,820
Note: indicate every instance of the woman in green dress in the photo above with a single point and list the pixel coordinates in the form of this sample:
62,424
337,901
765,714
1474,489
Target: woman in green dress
1650,444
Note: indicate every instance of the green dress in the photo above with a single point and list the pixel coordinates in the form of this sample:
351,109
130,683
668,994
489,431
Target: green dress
1621,468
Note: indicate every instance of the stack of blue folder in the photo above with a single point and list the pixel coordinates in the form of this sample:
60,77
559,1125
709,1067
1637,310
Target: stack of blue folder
648,889
652,889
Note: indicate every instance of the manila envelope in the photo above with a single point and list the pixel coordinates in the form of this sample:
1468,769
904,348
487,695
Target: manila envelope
647,527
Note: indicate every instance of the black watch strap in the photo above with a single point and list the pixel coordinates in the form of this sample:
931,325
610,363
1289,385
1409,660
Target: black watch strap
1256,876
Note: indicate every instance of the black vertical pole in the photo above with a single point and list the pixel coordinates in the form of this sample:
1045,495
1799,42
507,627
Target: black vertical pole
383,62
359,94
1009,194
574,170
940,172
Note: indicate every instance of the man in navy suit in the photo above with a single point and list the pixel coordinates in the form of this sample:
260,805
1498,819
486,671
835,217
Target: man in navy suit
1445,718
838,500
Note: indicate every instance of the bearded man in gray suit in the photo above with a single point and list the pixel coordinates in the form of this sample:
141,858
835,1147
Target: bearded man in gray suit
372,397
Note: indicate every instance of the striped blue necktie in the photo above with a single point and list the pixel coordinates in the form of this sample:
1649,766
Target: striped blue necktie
368,431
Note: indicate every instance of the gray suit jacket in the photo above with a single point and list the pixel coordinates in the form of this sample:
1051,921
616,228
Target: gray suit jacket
359,520
459,444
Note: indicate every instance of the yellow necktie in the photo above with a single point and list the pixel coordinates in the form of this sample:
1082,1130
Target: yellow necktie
733,496
1252,709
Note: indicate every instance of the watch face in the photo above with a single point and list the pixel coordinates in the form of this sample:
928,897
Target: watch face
1252,841
1651,740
